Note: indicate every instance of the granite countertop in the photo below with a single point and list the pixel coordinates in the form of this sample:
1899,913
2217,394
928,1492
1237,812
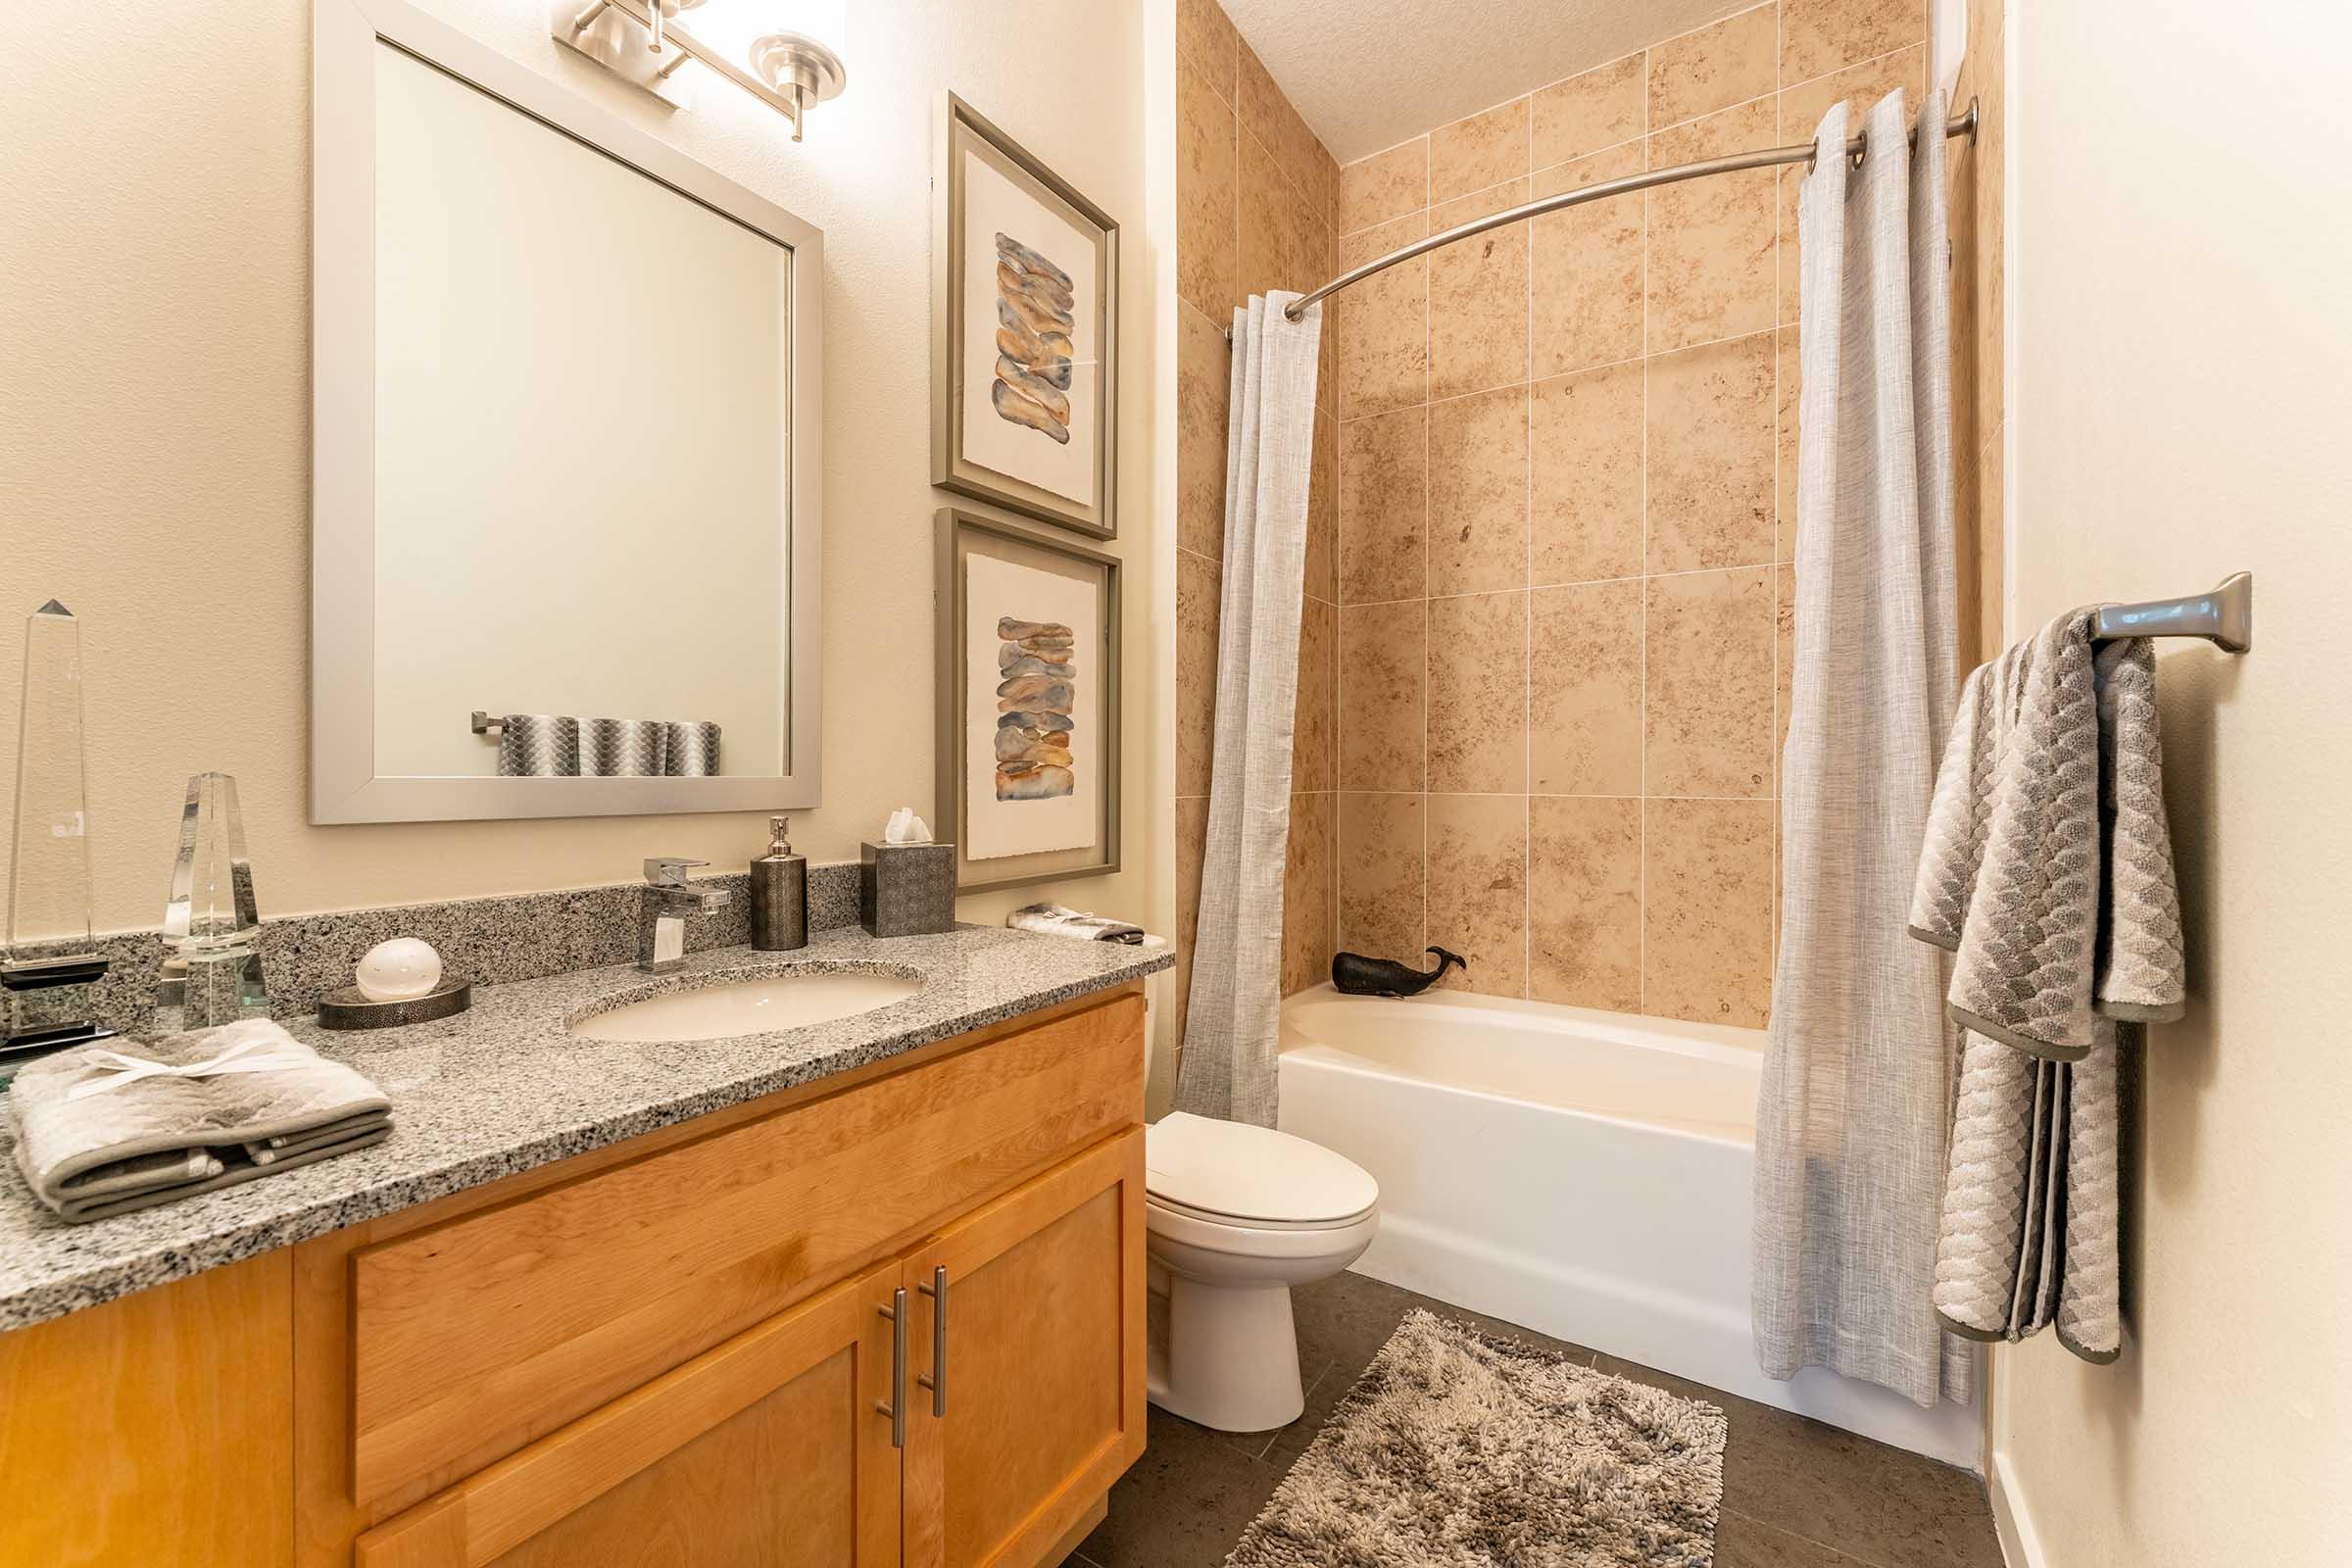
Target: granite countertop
504,1087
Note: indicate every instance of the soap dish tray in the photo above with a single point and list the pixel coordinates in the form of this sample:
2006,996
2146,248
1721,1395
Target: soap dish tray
350,1008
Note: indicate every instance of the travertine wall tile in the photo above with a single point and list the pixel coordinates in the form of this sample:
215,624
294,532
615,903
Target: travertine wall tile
1478,489
1585,475
1708,683
1384,683
1477,693
1308,888
1382,872
1478,297
1584,689
1566,504
1583,938
1483,150
1384,506
1384,324
1819,36
1712,489
1584,266
1706,916
1478,889
1597,109
1198,585
1711,241
1385,186
1714,67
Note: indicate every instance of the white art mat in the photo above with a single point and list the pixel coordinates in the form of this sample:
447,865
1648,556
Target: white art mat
994,828
993,205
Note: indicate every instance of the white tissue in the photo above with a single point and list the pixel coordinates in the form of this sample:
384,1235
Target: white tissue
904,828
399,971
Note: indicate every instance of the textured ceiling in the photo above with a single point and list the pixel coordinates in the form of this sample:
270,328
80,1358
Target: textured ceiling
1369,73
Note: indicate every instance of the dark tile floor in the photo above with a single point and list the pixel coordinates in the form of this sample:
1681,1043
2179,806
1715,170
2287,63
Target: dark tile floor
1796,1494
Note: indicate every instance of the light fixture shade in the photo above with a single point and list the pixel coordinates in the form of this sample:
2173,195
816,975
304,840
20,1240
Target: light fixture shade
731,25
825,22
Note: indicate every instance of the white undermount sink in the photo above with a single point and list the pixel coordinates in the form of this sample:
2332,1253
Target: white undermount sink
754,1007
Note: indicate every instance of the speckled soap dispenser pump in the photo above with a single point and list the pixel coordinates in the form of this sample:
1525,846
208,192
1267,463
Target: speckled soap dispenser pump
779,893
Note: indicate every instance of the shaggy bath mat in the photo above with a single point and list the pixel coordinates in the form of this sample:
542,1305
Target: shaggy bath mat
1455,1448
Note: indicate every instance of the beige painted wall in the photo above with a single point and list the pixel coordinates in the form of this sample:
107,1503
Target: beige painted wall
154,417
2182,345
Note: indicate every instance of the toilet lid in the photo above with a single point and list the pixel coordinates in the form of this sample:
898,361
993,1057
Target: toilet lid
1252,1174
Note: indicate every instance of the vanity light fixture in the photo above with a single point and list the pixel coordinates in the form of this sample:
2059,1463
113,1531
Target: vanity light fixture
785,53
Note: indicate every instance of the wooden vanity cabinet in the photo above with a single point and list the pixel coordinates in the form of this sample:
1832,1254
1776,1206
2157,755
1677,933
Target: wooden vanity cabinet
770,1449
1040,1407
690,1348
822,1439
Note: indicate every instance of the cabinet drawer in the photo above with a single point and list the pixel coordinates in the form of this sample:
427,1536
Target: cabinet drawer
474,1338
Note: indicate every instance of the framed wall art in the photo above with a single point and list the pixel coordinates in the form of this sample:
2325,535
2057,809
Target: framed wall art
1029,648
1025,342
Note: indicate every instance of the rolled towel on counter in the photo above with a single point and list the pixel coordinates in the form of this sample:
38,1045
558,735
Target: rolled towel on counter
106,1129
1059,920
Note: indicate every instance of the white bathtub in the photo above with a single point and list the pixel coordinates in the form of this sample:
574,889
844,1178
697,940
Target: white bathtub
1584,1173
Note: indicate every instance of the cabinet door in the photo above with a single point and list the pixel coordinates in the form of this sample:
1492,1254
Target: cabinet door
772,1448
1038,1406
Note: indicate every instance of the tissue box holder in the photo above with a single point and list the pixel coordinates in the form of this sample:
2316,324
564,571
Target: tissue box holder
906,890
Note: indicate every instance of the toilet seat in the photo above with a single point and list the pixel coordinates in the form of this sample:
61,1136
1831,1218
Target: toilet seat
1231,1174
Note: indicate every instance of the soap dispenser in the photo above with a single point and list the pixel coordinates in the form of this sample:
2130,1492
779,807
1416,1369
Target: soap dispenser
779,894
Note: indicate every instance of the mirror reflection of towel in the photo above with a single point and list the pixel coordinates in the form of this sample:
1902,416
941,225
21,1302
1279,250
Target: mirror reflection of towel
558,745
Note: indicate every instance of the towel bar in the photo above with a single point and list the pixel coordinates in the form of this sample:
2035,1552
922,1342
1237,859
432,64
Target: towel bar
482,724
2224,617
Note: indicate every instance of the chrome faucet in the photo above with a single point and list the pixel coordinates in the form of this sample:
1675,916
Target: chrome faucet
668,899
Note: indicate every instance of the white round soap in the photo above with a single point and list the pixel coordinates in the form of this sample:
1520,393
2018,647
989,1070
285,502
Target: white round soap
399,971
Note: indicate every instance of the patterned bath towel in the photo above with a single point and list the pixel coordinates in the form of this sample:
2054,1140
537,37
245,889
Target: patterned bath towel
2047,867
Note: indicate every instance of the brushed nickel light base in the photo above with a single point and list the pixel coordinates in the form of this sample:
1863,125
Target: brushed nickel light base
638,41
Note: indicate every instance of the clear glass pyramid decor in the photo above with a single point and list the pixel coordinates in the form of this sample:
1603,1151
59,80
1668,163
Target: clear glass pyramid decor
52,964
212,970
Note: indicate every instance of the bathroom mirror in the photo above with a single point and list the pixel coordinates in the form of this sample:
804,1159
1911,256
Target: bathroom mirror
565,452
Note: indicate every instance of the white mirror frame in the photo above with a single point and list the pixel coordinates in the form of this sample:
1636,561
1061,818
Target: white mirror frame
344,786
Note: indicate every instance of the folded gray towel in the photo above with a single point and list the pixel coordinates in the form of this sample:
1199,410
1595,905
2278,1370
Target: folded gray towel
1059,920
105,1129
2048,867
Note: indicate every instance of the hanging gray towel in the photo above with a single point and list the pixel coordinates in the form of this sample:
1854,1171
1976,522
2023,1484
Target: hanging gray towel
103,1130
2049,866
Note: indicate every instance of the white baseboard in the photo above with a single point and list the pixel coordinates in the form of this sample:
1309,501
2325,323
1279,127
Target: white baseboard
2012,1521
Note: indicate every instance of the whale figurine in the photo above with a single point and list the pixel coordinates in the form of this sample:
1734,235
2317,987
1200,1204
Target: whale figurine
1359,976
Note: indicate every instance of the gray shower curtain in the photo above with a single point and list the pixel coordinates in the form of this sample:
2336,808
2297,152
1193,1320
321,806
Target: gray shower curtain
1227,1070
1855,1111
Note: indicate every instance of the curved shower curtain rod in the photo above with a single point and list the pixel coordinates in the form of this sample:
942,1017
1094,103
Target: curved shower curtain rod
1963,123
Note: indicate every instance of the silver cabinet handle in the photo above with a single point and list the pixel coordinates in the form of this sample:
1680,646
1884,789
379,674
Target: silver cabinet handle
896,1407
936,1379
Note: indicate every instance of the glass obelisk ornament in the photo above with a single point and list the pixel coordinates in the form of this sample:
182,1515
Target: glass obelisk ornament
212,970
52,965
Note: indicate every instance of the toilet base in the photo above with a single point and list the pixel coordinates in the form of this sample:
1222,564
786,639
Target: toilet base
1228,1355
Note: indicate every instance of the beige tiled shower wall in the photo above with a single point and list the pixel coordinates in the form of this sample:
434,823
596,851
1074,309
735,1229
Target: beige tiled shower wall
1567,481
1257,199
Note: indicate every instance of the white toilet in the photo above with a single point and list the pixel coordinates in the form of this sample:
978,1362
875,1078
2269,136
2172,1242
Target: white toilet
1236,1215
